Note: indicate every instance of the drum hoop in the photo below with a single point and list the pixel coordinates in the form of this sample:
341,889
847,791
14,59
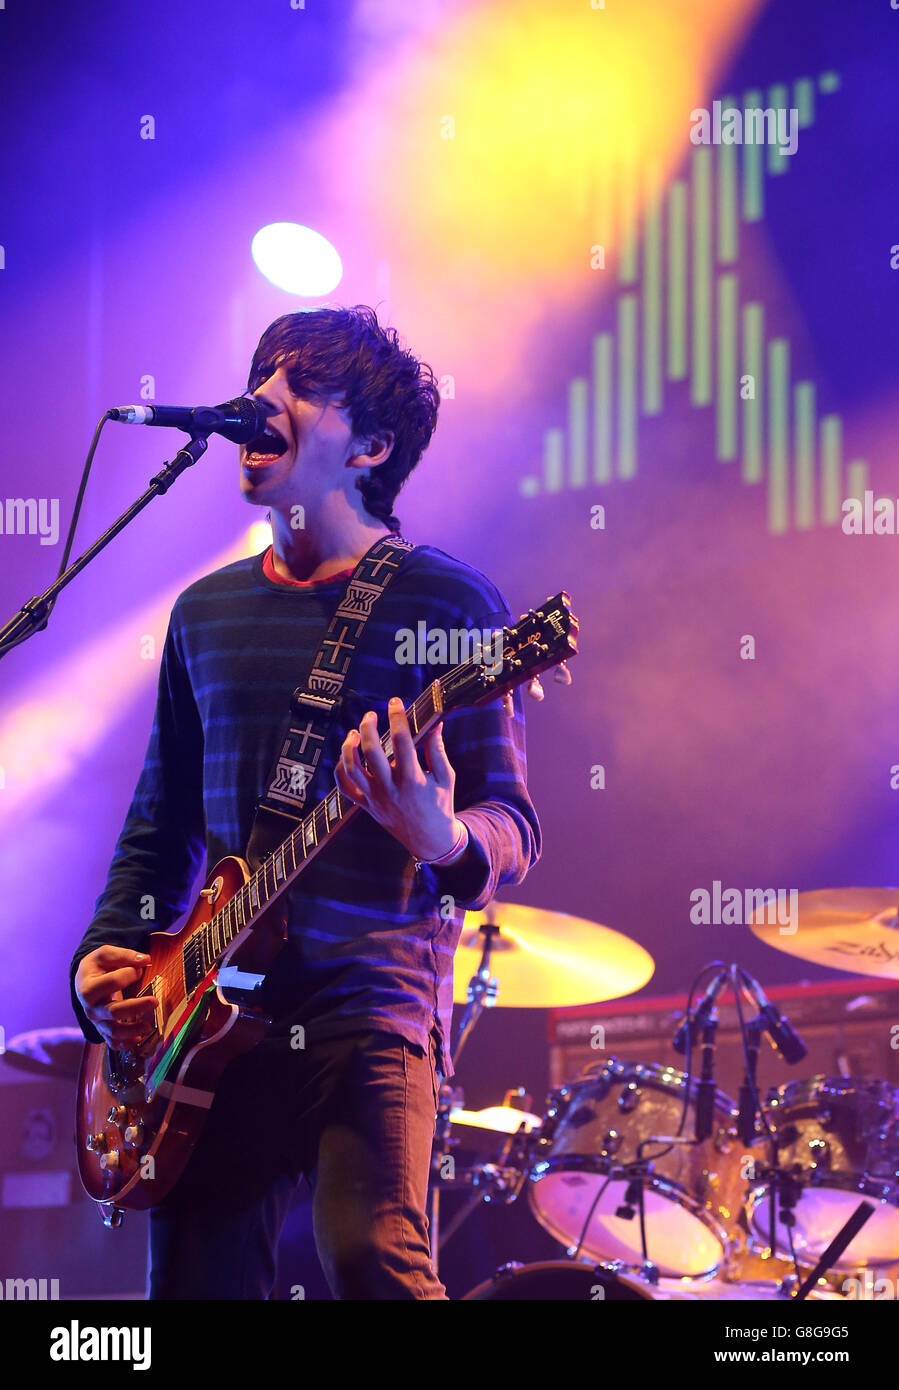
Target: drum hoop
506,1273
670,1191
619,1069
821,1088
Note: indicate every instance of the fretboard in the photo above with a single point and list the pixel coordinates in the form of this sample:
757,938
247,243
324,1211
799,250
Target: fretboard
279,870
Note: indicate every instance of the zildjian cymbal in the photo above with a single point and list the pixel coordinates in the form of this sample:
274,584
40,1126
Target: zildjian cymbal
548,960
853,929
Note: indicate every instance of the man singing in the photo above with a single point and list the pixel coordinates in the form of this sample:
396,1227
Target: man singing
374,920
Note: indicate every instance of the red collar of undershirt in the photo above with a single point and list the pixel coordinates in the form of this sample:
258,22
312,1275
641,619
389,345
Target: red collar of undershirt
268,569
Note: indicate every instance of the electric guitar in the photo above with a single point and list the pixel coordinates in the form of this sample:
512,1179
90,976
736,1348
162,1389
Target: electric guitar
140,1112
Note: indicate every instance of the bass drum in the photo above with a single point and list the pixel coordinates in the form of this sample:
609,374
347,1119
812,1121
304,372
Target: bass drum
562,1279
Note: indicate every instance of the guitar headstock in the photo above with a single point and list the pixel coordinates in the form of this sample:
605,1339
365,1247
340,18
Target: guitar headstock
542,638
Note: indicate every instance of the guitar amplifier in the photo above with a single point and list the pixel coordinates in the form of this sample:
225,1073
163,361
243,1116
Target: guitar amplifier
851,1028
50,1230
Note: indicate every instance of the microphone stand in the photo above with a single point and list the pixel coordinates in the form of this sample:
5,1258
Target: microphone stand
704,1117
34,615
749,1087
482,990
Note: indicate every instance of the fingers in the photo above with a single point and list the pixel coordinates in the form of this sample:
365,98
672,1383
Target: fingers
128,1011
439,765
405,758
349,774
124,1022
100,988
108,957
122,1039
358,782
375,758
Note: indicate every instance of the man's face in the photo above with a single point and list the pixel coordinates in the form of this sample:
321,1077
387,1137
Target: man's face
307,455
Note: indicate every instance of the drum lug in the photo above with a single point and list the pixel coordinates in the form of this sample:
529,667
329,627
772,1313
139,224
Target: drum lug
724,1141
630,1098
708,1184
611,1143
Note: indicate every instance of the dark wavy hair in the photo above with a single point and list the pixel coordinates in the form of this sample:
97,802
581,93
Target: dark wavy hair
346,353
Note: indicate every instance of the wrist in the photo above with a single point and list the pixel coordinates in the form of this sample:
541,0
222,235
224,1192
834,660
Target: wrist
454,853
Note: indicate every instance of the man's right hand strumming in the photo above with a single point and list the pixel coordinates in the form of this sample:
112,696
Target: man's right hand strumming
101,977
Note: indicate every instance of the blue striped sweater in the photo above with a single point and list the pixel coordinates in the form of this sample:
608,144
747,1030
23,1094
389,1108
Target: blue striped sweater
368,945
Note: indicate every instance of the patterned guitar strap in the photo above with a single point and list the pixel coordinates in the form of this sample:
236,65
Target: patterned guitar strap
312,705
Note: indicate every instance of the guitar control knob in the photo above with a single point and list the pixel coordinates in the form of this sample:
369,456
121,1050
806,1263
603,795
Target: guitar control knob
109,1161
133,1135
117,1114
96,1143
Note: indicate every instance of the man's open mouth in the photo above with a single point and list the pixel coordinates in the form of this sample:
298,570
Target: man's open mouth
265,448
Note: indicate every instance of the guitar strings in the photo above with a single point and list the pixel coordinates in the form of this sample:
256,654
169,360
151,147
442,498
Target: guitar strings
171,973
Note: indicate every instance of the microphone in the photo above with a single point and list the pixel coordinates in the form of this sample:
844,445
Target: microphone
784,1035
696,1019
239,420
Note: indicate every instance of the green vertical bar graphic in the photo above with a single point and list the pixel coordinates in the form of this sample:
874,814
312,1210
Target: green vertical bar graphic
804,101
804,451
677,280
553,446
778,162
652,302
726,395
577,432
627,386
831,465
627,207
753,185
857,476
752,408
701,378
778,387
602,408
727,195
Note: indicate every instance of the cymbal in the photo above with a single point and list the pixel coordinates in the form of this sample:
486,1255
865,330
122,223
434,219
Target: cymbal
852,929
548,960
502,1119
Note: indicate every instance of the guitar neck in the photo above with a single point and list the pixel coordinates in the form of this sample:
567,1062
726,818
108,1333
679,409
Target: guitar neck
542,638
285,864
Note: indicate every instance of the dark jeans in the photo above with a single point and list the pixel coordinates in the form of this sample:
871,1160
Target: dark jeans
355,1115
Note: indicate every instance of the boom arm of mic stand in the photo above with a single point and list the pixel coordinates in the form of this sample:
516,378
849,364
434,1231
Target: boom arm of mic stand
34,614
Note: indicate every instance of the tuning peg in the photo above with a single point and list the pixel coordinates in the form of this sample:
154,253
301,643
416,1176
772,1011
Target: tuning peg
562,673
535,689
508,706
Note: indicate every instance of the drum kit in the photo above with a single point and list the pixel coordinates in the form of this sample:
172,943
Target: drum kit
657,1184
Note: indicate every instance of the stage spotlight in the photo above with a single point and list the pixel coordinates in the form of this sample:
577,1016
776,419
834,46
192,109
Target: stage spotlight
259,536
297,259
